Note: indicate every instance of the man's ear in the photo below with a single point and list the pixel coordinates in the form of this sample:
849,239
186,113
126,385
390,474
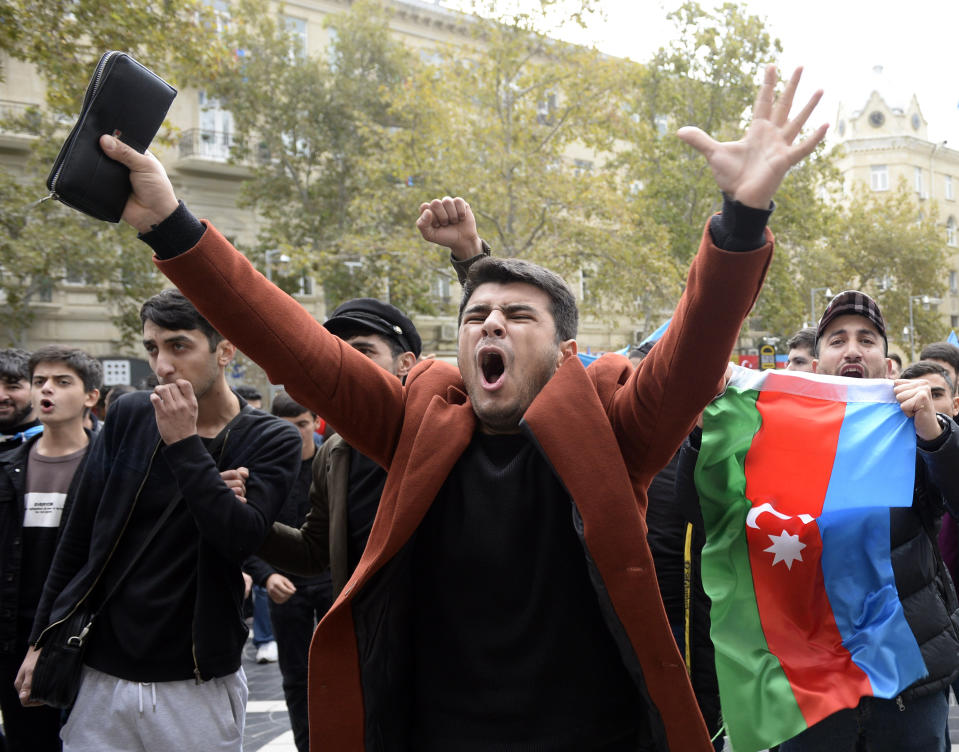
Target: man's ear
405,363
567,349
225,350
91,398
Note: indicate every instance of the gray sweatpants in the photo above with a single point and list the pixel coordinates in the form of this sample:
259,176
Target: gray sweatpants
116,715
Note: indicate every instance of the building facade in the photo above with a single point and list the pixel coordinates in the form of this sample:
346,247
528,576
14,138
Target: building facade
884,142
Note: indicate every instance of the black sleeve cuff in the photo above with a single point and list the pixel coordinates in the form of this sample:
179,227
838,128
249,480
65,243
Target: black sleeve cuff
176,234
462,267
934,444
739,227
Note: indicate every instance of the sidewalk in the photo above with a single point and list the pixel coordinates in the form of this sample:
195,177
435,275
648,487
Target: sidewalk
267,722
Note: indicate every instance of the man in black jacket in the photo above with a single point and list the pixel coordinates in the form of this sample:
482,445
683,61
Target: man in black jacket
162,667
18,419
38,481
297,603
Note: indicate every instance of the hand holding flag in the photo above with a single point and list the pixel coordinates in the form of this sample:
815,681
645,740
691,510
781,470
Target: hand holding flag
796,476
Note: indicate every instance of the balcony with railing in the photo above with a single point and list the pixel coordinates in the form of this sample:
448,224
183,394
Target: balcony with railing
201,150
13,116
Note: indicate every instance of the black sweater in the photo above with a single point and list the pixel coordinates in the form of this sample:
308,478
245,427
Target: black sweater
226,531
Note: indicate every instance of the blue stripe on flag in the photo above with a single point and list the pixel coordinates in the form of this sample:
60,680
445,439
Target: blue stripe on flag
875,458
952,339
862,592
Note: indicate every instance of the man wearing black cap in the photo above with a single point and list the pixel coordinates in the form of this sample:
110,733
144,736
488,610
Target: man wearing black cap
851,341
346,483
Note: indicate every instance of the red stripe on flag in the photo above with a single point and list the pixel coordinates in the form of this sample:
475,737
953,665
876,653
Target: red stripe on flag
788,467
793,452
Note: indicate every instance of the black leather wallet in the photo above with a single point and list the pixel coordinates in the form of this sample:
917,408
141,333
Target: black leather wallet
124,99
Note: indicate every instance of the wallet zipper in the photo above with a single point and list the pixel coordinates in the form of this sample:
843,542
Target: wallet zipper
87,97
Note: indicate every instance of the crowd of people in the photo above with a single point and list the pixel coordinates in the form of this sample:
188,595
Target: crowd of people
501,554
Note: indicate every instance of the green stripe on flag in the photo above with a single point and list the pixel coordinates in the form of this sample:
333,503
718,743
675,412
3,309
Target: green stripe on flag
759,708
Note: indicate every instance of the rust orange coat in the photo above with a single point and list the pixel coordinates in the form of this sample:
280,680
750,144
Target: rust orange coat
606,431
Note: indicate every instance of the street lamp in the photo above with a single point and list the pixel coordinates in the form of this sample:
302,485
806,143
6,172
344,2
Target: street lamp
926,302
281,258
812,302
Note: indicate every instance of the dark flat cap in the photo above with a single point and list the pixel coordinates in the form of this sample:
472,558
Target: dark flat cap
377,317
853,303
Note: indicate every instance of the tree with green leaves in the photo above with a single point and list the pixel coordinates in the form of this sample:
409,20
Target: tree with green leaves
315,143
518,123
707,76
885,244
42,244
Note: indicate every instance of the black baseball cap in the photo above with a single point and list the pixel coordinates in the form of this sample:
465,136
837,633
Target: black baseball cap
379,318
852,303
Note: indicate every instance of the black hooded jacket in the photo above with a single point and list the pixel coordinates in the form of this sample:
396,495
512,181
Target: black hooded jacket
128,454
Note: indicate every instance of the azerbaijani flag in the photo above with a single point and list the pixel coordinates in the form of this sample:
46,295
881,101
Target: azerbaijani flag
796,476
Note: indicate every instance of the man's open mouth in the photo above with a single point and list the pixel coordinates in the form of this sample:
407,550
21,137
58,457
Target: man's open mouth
853,370
492,366
46,404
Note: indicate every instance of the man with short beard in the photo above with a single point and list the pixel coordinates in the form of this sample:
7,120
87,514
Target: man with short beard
18,419
851,342
507,596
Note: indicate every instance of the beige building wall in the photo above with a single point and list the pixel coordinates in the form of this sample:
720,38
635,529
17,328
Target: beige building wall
198,166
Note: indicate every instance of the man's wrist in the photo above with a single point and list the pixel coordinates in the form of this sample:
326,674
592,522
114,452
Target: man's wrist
927,433
467,249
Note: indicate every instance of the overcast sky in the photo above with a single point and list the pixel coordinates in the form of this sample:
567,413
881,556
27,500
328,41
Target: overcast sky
838,43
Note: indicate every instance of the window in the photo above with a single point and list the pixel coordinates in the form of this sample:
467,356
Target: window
441,287
296,28
953,281
221,15
582,166
72,275
949,194
919,191
216,129
879,177
954,322
951,232
305,285
546,110
585,293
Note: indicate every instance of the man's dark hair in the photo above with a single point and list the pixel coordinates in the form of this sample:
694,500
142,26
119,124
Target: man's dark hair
284,406
804,338
346,332
248,392
944,351
507,270
895,357
115,392
171,310
81,363
14,365
927,368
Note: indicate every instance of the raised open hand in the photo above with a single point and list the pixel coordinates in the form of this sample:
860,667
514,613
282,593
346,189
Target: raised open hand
751,169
